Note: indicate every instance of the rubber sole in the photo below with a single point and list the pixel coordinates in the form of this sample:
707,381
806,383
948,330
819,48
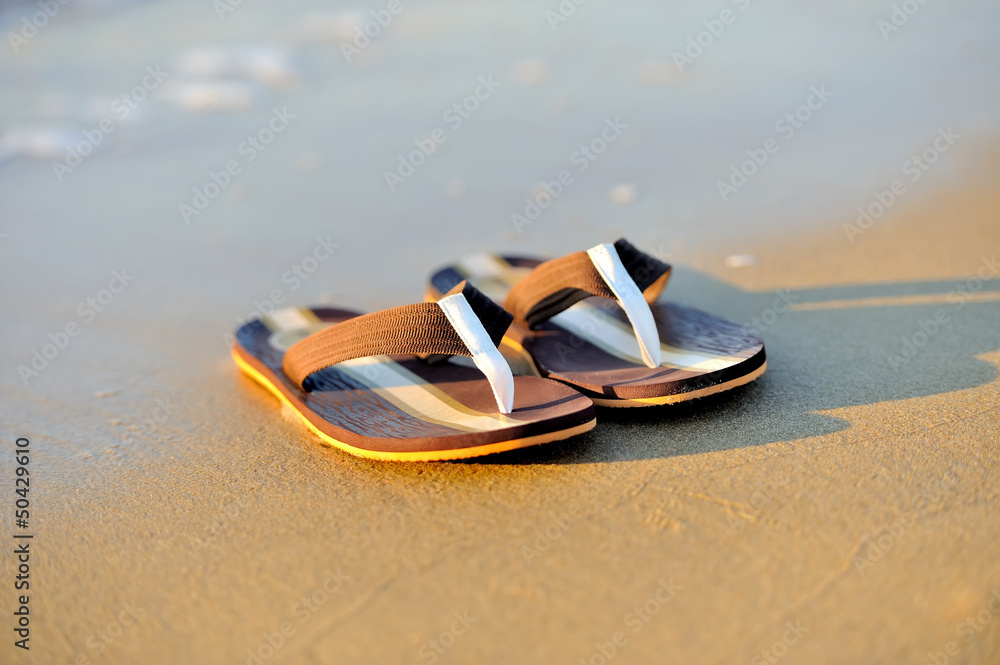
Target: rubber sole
420,456
681,397
521,362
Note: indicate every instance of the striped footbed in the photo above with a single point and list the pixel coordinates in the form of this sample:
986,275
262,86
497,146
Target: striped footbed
399,403
591,345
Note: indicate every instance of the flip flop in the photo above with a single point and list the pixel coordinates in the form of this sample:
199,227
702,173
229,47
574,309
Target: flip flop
591,320
408,383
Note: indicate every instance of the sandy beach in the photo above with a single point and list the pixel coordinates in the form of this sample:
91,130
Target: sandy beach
841,509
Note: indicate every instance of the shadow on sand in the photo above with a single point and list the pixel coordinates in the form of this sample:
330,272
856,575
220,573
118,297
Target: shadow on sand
833,348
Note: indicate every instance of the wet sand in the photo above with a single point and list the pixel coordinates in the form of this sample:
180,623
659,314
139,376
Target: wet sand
841,509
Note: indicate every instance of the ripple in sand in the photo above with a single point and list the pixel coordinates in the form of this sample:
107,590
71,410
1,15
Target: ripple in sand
329,27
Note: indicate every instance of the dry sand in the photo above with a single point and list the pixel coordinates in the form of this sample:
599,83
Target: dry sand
842,509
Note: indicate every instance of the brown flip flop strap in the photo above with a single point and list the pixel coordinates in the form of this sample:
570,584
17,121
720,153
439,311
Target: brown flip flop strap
555,285
420,328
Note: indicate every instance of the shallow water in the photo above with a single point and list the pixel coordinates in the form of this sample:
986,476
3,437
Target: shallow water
686,129
185,94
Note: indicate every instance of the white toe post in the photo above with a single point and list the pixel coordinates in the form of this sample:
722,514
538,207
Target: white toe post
484,353
609,265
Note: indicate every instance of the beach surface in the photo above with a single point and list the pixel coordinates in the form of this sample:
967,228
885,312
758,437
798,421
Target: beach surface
841,509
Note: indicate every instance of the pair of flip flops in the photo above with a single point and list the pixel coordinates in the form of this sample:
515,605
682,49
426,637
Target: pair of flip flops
434,380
